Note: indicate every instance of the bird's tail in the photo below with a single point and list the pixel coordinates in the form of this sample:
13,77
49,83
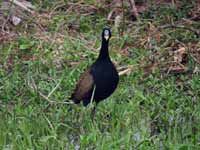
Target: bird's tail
76,101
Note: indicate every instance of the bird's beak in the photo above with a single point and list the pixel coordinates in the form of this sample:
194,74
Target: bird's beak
106,37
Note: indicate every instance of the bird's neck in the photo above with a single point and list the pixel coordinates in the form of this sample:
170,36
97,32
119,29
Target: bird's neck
104,54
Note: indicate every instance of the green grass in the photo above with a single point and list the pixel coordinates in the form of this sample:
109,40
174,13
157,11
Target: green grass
160,111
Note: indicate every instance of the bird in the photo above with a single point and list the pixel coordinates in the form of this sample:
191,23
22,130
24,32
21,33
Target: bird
99,80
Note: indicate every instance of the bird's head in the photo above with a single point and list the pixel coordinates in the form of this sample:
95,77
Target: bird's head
106,34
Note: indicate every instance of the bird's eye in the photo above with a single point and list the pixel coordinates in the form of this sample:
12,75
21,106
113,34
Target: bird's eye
106,32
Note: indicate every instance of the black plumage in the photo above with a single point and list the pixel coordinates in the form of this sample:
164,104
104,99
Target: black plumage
102,75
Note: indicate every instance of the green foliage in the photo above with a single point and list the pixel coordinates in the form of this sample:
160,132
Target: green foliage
156,112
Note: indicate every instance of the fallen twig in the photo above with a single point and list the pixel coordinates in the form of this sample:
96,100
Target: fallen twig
8,16
54,89
134,9
195,59
44,96
126,71
22,5
196,32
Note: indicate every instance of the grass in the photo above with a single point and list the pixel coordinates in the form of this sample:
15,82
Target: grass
160,111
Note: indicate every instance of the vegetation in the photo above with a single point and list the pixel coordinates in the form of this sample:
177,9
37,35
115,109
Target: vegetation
157,103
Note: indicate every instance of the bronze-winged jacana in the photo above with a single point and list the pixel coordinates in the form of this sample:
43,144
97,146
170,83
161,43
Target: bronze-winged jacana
100,79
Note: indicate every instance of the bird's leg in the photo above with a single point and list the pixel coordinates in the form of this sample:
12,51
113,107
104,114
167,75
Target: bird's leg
93,112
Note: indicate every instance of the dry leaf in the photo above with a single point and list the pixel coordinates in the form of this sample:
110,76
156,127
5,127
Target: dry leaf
180,55
118,20
196,71
177,69
15,20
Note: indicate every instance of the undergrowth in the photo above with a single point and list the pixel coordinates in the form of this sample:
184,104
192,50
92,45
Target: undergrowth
155,109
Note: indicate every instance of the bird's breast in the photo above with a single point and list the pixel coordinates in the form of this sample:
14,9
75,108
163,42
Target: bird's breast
106,80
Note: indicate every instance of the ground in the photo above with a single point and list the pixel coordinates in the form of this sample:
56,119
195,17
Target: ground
156,104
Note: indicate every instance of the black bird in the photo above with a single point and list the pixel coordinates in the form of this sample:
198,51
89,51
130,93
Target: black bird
100,79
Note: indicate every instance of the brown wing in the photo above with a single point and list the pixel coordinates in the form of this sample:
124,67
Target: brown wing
84,85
